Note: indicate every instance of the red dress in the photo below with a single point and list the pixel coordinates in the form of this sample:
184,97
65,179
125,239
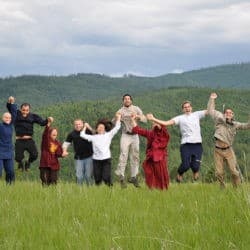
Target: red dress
51,150
155,164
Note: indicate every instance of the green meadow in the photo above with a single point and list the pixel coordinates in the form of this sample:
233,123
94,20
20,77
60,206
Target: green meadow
67,216
188,216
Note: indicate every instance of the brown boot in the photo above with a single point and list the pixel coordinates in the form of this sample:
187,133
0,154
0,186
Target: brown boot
236,180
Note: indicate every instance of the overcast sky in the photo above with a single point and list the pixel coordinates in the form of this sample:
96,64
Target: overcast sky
115,37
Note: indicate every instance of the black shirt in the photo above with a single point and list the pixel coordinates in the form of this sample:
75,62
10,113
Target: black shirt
24,125
83,148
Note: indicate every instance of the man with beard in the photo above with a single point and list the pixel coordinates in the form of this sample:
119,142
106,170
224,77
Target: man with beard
129,143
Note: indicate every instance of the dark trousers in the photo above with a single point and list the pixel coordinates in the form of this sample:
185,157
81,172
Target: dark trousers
102,171
48,176
8,165
28,145
190,157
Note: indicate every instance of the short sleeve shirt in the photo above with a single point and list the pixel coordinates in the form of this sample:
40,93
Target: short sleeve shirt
190,126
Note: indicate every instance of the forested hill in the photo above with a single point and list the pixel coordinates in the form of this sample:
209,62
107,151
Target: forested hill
43,90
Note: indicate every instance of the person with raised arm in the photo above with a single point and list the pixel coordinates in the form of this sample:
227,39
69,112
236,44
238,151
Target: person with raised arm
225,131
129,142
51,150
24,127
6,146
101,142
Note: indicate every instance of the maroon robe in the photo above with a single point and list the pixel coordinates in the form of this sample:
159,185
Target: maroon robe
155,164
51,150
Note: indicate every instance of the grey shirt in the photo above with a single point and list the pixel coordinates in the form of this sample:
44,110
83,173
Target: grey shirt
126,120
224,131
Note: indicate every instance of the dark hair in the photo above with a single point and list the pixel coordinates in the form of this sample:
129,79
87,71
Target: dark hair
127,95
25,104
106,122
185,102
227,108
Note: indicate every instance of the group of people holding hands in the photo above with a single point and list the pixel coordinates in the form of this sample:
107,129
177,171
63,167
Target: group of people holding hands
92,146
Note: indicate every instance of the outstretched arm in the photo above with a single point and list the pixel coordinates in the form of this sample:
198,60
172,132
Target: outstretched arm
161,122
138,130
240,125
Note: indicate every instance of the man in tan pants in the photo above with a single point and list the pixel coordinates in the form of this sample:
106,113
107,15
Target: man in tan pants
129,143
225,130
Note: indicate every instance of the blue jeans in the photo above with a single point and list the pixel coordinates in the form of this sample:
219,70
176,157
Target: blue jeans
84,171
8,165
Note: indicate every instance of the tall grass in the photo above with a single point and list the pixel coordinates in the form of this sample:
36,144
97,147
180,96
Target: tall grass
66,216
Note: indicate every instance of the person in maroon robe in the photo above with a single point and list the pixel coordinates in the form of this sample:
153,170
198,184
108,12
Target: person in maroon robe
155,165
51,150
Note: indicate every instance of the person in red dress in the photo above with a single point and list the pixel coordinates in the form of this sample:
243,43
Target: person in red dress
155,164
51,150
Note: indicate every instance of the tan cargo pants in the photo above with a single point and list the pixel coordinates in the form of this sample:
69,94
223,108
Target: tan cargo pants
129,145
228,155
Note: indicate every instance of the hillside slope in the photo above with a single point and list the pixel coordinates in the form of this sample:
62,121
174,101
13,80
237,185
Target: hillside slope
44,90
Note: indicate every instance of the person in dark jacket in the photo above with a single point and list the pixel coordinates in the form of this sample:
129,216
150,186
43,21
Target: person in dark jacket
83,153
24,131
155,165
6,147
51,150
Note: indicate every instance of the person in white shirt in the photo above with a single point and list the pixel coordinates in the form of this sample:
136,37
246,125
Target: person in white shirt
101,150
191,141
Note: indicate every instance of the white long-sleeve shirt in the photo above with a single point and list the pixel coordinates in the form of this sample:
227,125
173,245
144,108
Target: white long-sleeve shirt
101,142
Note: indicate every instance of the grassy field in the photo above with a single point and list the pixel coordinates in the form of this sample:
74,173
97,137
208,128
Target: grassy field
187,216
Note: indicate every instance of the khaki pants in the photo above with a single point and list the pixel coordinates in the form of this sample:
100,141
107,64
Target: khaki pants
226,155
129,145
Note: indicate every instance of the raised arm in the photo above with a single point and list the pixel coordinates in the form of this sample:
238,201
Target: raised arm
12,108
46,134
117,124
216,115
211,103
150,117
83,132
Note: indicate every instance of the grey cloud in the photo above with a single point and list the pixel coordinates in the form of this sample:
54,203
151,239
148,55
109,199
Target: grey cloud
84,35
